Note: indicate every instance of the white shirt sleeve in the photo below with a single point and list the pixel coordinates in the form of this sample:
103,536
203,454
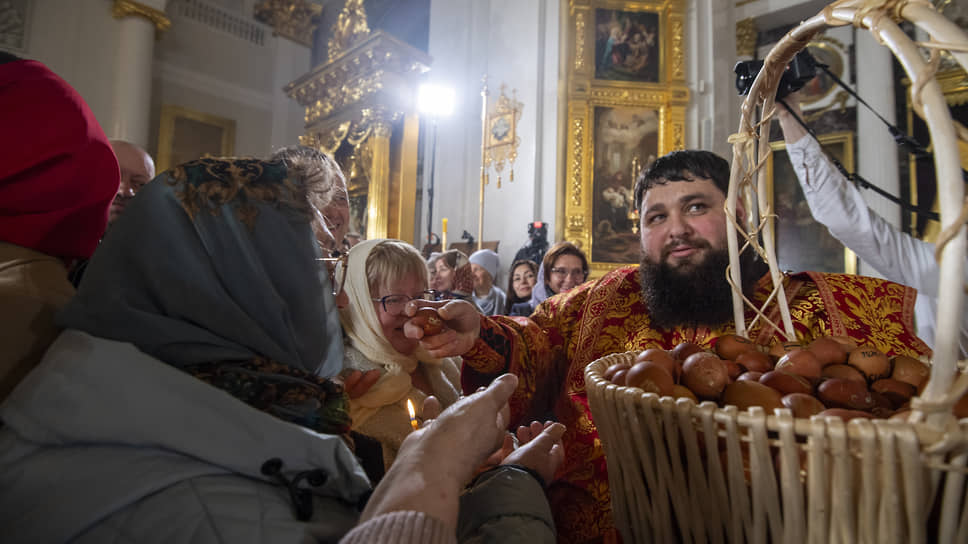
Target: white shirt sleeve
838,204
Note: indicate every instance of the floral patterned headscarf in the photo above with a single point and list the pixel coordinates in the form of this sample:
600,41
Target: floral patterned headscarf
212,269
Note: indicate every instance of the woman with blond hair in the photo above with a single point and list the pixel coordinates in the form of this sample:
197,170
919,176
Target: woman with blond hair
388,274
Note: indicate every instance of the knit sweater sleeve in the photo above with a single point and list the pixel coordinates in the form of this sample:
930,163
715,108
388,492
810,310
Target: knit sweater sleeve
403,527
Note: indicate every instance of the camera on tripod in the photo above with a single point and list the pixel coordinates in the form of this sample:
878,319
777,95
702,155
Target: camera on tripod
801,69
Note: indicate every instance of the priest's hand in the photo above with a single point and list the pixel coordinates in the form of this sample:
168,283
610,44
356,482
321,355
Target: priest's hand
461,327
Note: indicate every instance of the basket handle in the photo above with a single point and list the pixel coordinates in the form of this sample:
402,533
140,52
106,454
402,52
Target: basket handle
878,16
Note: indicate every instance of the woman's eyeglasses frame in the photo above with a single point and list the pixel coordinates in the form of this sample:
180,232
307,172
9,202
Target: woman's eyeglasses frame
434,296
336,266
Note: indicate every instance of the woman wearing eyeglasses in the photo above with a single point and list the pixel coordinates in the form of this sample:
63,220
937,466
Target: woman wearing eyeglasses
564,267
383,276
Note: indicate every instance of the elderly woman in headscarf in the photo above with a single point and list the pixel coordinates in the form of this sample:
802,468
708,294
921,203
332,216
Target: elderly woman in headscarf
388,275
58,177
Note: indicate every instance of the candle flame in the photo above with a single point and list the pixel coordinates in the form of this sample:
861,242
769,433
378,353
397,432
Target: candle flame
413,415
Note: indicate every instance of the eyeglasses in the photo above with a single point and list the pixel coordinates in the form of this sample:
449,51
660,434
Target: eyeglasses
393,304
336,266
573,272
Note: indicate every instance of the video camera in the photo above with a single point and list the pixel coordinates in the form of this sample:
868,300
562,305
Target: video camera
801,69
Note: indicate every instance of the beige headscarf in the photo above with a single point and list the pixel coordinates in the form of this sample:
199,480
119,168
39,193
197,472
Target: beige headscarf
362,326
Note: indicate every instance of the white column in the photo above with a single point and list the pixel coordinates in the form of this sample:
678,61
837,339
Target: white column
131,106
876,150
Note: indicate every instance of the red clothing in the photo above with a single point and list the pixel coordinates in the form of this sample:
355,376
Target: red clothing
549,352
58,174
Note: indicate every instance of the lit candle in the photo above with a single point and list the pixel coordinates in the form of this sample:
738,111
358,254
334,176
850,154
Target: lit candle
443,236
413,415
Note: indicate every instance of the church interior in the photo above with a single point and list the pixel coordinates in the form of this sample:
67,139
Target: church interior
251,342
536,122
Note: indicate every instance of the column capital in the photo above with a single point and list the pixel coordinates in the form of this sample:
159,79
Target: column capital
292,19
132,8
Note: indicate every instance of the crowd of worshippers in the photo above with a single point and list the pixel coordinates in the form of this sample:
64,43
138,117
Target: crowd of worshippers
227,367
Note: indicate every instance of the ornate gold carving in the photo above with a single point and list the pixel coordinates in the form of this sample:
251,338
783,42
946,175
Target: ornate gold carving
576,160
502,135
678,51
576,222
350,27
380,66
292,19
604,153
580,40
130,8
746,37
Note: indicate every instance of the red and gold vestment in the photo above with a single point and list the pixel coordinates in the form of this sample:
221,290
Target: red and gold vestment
549,351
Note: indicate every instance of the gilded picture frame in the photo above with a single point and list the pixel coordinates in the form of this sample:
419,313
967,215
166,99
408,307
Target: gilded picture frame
185,134
801,242
615,127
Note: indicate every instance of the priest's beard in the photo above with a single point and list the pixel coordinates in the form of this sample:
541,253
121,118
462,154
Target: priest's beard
698,294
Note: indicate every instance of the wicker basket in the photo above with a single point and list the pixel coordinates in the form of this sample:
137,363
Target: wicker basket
796,480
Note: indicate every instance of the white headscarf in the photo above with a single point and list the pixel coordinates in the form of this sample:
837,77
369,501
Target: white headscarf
362,326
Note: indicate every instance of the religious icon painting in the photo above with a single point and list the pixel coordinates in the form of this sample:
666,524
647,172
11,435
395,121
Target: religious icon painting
627,45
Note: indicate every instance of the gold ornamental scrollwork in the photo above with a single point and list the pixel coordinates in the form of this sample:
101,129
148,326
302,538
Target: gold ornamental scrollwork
746,37
678,54
292,19
131,8
580,41
578,133
350,27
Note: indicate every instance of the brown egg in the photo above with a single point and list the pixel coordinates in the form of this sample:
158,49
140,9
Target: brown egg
910,370
704,374
960,409
612,369
882,407
896,391
802,404
733,370
849,394
782,348
683,392
429,320
843,372
731,345
684,350
619,377
750,375
846,341
802,363
844,414
743,394
869,360
786,383
755,360
650,377
662,358
828,351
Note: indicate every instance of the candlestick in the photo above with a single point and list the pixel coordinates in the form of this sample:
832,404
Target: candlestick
413,415
443,235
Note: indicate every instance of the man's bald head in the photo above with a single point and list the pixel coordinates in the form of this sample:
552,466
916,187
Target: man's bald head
137,169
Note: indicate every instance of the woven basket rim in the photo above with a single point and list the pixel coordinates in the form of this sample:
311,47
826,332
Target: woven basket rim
782,418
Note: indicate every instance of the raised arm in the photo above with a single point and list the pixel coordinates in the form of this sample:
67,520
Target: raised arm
837,204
